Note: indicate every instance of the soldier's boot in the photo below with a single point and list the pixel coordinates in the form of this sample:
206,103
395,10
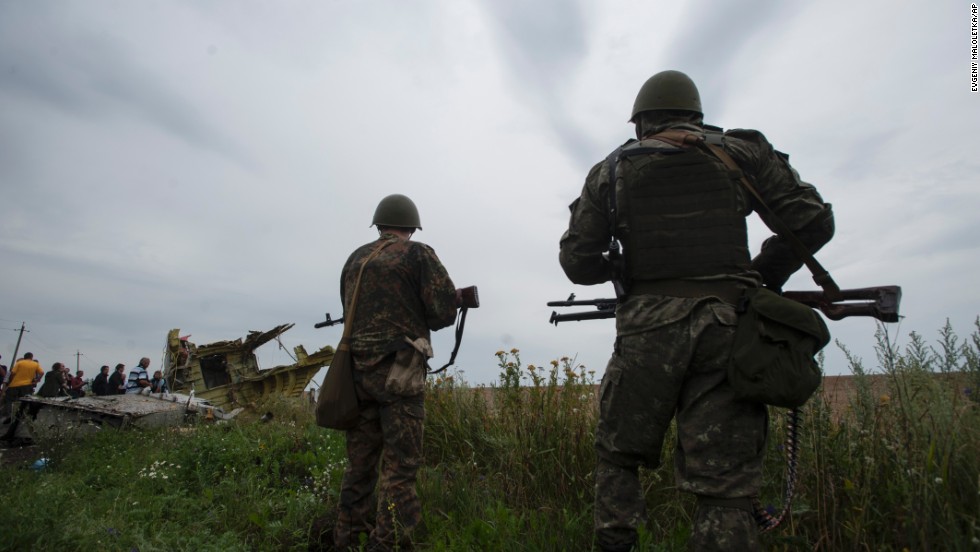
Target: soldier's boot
619,539
348,535
724,524
321,534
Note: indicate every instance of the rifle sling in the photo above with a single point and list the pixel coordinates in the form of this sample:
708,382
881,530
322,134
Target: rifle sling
820,274
459,339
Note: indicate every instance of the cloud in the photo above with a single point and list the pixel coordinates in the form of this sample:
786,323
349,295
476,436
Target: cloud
94,76
209,166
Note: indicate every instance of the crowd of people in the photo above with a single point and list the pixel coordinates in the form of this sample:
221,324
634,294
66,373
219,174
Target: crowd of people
23,377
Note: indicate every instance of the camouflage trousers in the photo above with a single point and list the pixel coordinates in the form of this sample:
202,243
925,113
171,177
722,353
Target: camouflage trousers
678,369
389,432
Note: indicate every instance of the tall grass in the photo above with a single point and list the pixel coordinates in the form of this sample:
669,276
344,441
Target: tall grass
509,467
900,468
515,458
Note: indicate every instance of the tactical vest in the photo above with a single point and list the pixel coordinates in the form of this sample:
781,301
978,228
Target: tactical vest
682,213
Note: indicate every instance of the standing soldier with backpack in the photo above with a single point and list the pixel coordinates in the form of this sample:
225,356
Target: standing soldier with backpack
678,210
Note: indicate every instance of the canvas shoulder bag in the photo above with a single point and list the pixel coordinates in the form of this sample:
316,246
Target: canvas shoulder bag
773,353
337,407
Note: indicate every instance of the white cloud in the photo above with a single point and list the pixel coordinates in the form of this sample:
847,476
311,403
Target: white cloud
210,166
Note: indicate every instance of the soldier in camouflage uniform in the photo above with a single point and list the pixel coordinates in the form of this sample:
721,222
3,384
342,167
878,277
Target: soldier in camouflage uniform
404,293
680,215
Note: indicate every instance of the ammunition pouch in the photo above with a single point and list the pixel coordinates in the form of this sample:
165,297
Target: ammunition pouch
406,377
772,359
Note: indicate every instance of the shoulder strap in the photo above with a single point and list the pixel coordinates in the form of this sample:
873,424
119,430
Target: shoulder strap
349,318
820,274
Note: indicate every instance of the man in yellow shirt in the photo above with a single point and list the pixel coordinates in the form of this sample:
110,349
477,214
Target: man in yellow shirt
21,380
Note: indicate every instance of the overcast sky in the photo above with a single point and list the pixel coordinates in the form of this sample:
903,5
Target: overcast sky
209,166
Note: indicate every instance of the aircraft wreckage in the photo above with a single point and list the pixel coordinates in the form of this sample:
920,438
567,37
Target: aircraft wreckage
52,419
227,374
213,381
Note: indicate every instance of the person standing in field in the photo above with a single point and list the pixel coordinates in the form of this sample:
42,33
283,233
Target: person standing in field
679,214
403,294
21,380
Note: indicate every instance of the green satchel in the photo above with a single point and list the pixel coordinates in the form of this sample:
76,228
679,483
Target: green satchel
773,354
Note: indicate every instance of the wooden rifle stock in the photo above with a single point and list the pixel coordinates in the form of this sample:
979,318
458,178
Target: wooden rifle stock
879,302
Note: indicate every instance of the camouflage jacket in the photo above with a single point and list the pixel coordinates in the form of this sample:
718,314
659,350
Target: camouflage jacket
797,203
405,291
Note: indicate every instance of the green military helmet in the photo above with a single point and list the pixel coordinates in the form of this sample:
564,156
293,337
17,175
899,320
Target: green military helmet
397,210
667,90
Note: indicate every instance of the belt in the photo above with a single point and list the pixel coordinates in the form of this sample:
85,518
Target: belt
727,291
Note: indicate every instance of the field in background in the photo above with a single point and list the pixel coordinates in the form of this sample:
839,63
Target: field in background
893,463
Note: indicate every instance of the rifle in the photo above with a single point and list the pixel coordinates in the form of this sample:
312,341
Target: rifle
605,308
880,302
329,322
466,298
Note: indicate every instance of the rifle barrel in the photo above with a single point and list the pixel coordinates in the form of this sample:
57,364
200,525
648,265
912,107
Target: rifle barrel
601,304
578,316
880,302
329,322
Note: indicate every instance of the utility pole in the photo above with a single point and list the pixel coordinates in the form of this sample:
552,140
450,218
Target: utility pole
78,356
17,347
3,384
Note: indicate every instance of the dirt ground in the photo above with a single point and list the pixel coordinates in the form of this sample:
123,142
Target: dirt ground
21,451
21,456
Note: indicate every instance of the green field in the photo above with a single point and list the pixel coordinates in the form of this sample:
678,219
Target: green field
509,468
